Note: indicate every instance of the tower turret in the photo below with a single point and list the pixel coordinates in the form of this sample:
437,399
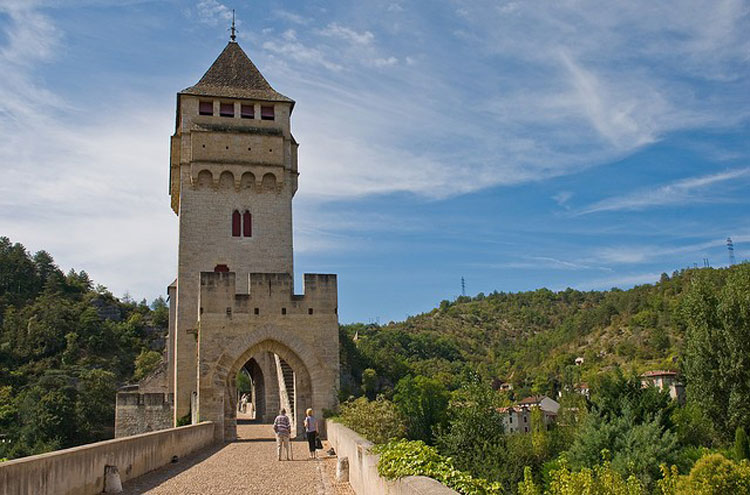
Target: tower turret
233,174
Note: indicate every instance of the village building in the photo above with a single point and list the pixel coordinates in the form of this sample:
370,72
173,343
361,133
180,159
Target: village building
665,380
517,418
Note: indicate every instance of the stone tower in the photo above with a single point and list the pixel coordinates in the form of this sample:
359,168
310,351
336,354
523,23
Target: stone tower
233,175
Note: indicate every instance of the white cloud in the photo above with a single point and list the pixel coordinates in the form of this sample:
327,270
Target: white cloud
677,193
385,62
212,12
291,17
562,198
643,253
348,34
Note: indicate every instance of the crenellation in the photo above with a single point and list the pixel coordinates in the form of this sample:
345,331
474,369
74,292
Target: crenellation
270,293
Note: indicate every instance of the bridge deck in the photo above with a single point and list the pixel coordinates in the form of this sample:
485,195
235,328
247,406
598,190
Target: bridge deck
247,466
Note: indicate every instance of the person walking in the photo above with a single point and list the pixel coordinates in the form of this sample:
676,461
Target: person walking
311,428
283,428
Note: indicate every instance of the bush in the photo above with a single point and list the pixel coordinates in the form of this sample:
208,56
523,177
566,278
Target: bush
379,420
601,480
414,458
741,447
713,474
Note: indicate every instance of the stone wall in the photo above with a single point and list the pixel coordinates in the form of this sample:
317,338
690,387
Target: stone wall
137,413
363,468
301,329
80,470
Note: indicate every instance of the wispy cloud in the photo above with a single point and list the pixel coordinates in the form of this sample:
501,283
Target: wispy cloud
212,12
643,253
291,17
547,263
562,198
676,193
291,49
335,30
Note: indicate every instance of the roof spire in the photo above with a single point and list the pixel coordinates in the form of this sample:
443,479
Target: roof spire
233,36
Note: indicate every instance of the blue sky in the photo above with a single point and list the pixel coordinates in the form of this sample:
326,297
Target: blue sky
517,144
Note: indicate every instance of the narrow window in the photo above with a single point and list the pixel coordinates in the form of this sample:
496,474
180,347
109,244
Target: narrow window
526,429
247,224
525,419
266,112
257,311
309,311
236,223
226,109
206,108
247,111
283,311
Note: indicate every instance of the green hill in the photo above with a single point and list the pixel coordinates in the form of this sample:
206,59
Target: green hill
65,347
530,339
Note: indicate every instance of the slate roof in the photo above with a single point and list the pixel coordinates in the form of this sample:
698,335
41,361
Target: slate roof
233,75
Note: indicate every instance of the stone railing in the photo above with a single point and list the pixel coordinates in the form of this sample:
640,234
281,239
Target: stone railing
81,470
363,468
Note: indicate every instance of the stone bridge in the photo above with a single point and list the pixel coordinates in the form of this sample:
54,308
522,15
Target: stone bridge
188,461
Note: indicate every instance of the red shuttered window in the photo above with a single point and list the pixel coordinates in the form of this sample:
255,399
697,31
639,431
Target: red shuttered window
236,223
226,109
266,112
247,221
206,108
247,111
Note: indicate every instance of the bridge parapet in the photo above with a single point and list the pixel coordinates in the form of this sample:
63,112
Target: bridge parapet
269,293
80,470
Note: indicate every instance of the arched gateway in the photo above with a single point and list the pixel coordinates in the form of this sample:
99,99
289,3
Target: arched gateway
233,174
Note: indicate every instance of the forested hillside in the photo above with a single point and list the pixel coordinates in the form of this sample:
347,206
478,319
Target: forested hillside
431,395
529,339
65,347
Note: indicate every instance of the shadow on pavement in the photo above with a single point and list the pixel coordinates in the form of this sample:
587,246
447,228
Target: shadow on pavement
153,479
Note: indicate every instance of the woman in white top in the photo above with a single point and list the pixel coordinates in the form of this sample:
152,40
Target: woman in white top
311,428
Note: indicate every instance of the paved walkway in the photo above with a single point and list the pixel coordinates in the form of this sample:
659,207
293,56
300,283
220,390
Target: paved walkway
247,466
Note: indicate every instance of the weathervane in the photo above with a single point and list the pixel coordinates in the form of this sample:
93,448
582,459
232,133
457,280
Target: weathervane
233,29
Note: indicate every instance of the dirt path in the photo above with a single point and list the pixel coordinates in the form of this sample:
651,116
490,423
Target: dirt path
247,466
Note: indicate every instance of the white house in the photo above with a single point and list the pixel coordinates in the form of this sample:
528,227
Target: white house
517,418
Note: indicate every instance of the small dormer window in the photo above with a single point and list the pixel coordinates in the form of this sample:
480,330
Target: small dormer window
226,109
266,112
206,108
247,111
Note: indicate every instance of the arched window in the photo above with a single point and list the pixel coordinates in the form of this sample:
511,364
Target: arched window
236,224
247,223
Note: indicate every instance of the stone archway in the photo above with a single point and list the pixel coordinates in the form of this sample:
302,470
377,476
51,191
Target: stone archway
303,388
217,400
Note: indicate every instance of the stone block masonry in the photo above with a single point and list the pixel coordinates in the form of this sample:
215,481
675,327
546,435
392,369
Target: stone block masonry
363,468
81,470
138,413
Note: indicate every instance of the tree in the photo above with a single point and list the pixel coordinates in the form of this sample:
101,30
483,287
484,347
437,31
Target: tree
146,362
378,421
717,353
95,412
423,403
741,447
474,437
370,383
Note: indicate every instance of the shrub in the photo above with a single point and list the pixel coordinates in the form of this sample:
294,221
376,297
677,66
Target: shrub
414,458
601,480
741,447
378,421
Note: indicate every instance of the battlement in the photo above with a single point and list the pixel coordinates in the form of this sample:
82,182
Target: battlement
268,294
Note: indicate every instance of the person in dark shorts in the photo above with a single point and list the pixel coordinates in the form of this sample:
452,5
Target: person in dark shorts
311,429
